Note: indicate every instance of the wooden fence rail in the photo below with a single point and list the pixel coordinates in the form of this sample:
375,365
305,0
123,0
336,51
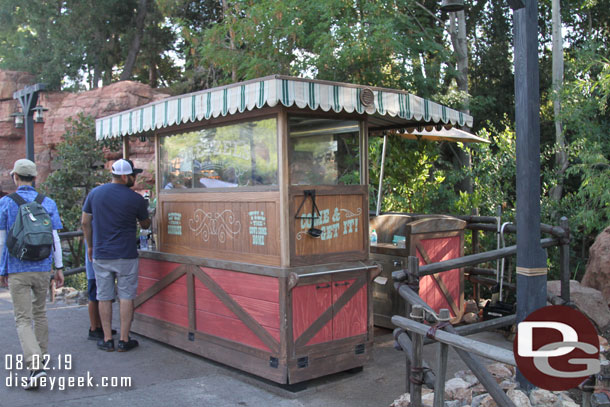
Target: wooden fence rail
486,379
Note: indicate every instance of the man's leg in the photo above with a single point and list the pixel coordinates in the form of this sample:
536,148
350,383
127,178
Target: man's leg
21,295
40,288
94,315
93,307
127,284
104,276
126,312
106,318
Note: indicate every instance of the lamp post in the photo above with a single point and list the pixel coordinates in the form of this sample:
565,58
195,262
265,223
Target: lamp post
28,98
531,258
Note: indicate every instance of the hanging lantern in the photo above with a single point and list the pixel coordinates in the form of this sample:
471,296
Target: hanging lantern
18,119
452,5
38,113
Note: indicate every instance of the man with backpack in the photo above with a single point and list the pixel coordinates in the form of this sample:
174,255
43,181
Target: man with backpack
29,242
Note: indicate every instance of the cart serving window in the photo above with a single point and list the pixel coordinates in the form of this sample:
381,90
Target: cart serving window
229,156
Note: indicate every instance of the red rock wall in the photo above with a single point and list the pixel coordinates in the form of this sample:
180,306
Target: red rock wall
63,105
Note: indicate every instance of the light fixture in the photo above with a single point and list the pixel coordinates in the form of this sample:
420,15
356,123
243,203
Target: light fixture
143,139
18,119
38,113
452,5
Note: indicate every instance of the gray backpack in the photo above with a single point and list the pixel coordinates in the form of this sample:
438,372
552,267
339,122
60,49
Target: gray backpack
31,237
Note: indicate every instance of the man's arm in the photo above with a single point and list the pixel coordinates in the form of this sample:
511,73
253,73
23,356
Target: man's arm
58,260
145,224
87,232
3,278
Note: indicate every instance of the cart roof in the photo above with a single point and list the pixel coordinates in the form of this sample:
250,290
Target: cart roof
387,108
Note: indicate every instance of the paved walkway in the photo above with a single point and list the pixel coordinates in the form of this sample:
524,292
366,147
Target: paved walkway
162,375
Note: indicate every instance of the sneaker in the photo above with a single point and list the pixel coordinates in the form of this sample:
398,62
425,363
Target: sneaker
98,334
108,346
34,379
125,346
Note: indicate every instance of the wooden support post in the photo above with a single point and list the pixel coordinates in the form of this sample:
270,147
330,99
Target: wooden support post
441,371
531,258
126,147
418,348
564,259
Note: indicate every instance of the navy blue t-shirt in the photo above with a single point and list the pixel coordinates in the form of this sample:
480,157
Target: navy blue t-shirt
115,209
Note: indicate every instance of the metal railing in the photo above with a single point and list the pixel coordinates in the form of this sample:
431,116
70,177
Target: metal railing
68,236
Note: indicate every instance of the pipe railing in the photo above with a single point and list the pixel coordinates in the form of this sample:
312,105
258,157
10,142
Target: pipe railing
68,236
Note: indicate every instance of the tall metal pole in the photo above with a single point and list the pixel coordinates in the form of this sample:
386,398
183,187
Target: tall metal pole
531,258
28,98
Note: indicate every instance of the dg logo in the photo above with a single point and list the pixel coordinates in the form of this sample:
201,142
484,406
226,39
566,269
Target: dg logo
556,348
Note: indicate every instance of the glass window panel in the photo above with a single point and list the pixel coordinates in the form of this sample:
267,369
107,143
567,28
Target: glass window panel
324,151
236,155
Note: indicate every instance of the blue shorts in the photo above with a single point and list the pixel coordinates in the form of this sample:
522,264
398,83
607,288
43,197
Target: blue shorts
92,289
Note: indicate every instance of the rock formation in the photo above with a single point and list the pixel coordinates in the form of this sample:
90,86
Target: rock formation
63,105
597,274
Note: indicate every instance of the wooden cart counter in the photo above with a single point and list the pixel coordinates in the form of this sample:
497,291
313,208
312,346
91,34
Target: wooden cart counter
285,324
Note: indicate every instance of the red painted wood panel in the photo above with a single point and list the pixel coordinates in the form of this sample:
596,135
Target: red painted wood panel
231,328
175,292
308,303
440,249
156,269
165,311
264,312
351,319
257,295
246,285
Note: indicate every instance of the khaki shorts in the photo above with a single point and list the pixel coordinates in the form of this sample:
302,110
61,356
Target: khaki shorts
125,271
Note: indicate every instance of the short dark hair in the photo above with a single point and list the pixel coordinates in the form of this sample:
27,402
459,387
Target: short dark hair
26,178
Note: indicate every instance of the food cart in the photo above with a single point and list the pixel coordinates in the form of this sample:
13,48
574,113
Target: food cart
262,258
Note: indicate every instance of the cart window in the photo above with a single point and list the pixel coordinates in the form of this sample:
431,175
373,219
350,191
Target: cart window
236,155
324,151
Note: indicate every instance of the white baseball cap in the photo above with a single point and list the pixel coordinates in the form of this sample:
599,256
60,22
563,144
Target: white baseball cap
124,167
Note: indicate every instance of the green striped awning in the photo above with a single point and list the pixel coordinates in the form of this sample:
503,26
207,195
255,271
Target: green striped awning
392,108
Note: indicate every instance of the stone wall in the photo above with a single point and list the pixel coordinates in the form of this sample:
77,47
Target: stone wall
63,105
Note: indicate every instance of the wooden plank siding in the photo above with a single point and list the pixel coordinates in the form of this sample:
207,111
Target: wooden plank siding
259,323
442,290
343,222
238,226
240,307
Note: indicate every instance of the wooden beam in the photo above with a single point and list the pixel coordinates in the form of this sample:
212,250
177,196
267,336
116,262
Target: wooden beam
234,307
327,315
160,285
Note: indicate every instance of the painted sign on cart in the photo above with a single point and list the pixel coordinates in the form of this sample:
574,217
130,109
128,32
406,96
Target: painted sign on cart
258,227
174,223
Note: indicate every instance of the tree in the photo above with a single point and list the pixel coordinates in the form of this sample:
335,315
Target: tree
80,160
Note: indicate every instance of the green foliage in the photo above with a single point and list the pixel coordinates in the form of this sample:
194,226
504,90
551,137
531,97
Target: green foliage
79,162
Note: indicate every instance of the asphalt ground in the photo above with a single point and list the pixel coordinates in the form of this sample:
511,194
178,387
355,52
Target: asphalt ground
155,374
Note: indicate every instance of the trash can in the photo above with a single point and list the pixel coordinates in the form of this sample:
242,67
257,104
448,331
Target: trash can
432,239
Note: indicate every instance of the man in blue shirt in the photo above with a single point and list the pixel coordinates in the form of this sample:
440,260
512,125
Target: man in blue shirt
109,221
28,281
